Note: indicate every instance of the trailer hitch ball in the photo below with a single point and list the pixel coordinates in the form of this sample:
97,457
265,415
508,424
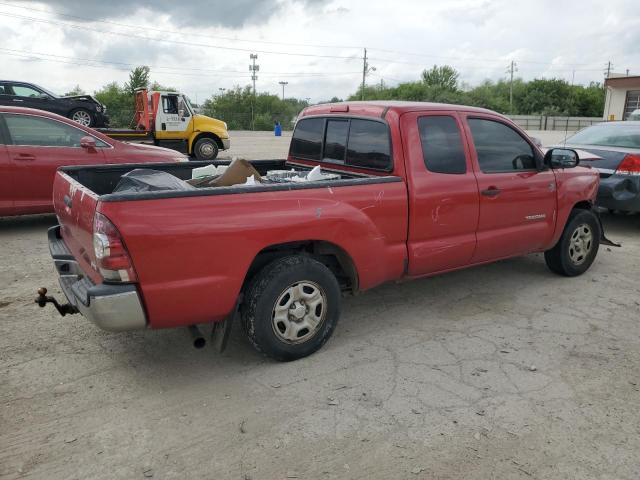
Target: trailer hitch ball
42,299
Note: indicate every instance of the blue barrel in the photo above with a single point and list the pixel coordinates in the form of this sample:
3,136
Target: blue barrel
277,130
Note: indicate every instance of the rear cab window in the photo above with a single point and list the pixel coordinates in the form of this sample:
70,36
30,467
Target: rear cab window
354,142
442,147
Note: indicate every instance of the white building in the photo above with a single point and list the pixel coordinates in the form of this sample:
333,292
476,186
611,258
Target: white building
623,96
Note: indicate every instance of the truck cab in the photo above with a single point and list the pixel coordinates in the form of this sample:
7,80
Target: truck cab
168,120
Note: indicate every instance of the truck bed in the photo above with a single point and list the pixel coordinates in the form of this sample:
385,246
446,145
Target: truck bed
102,179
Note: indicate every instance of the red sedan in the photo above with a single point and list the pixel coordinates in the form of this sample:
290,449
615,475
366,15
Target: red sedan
34,143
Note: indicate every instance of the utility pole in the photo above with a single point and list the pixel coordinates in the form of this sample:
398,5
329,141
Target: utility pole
513,67
608,70
365,70
283,84
253,68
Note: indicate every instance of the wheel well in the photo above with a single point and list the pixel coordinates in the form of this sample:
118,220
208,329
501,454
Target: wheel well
584,205
207,135
329,254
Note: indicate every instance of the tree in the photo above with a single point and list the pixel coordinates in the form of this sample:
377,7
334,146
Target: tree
138,78
444,77
75,91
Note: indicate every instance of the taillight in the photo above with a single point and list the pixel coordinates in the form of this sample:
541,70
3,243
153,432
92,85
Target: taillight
112,257
630,165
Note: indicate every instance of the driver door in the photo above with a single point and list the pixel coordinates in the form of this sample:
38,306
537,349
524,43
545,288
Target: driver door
173,116
517,202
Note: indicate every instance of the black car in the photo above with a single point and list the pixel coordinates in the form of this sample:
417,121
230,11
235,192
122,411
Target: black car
83,109
617,148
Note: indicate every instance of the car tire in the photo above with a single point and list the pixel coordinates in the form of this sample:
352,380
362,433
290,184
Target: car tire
578,246
205,149
291,307
83,117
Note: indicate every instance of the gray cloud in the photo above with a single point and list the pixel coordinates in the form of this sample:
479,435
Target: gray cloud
230,14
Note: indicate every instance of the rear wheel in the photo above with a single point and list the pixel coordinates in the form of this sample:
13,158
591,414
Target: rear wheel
205,149
291,309
578,246
82,116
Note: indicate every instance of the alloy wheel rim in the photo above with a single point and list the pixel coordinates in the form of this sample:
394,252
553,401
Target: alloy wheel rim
580,244
299,312
83,118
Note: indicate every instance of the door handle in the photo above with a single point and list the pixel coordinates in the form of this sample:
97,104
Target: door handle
17,100
24,156
491,192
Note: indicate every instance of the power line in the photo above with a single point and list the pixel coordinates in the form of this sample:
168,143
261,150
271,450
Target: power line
177,42
175,32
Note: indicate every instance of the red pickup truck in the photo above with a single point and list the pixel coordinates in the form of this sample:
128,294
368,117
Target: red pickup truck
423,189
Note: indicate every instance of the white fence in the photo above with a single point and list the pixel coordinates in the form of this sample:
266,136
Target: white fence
543,122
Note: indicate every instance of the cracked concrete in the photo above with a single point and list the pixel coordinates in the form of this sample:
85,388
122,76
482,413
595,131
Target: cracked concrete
429,379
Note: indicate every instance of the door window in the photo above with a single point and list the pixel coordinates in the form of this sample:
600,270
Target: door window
499,147
170,104
369,145
43,132
23,91
442,145
335,140
307,138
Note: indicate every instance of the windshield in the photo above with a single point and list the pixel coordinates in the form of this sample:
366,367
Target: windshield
49,92
608,135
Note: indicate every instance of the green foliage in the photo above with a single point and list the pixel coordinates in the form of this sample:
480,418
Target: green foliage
138,78
537,97
444,78
235,107
75,91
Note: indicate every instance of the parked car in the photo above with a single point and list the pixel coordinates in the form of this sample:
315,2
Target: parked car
83,109
617,146
423,189
34,143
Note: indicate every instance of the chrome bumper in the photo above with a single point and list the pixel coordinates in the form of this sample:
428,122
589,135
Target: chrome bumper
110,306
226,143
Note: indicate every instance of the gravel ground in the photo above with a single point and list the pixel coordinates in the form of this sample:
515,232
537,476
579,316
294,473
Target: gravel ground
501,371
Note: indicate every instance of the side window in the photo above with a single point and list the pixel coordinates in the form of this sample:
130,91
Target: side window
500,148
42,132
442,145
335,140
23,91
170,104
307,138
368,145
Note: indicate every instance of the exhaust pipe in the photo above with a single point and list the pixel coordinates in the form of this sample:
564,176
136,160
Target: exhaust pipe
198,339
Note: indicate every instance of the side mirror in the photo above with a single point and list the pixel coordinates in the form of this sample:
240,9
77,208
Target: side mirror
561,158
89,143
43,96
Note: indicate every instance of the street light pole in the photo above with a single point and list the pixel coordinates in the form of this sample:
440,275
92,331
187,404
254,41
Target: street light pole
253,68
283,84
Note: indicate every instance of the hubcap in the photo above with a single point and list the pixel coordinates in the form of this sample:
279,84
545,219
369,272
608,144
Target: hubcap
206,149
299,312
81,117
580,244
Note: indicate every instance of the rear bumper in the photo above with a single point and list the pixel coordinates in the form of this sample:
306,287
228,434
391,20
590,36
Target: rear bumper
620,192
111,307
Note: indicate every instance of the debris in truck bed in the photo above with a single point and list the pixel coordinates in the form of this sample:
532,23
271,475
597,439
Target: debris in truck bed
235,174
148,180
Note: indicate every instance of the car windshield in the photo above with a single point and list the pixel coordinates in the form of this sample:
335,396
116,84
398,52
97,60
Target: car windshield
608,135
49,92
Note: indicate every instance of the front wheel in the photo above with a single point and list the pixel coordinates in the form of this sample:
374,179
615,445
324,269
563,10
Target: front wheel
205,149
82,116
291,307
578,246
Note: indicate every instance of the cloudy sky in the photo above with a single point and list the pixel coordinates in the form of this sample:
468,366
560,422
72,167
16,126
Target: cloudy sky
317,46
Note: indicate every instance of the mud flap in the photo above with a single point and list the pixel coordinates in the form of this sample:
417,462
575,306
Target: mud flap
222,330
603,239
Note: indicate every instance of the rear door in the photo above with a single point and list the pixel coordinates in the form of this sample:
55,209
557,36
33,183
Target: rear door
517,202
37,147
7,189
443,193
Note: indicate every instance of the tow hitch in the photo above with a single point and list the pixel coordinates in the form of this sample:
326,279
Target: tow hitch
63,310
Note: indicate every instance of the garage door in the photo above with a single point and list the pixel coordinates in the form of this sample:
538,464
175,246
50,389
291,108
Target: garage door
632,103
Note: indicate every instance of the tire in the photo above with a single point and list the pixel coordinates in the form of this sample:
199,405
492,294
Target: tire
308,297
578,246
205,149
83,117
